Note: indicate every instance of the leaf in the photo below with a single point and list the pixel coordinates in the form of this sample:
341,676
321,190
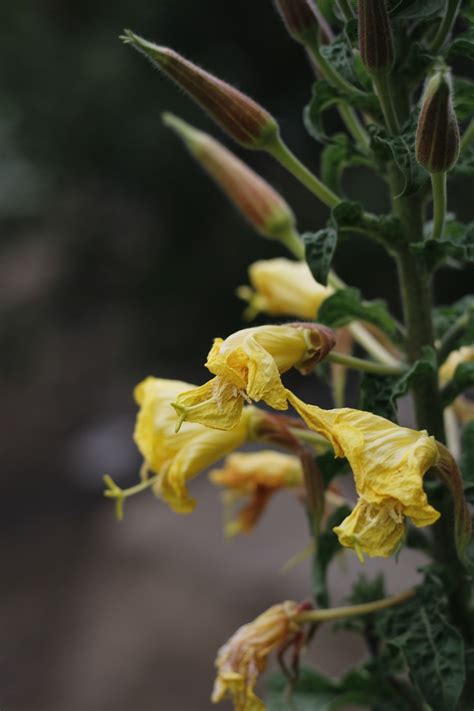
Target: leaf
319,252
457,244
465,164
444,318
346,305
467,461
463,90
338,155
462,379
467,10
315,692
379,394
338,54
463,45
327,546
416,9
331,466
402,149
432,648
417,61
326,96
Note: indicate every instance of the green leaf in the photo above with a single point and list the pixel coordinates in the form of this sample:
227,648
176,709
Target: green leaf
339,55
445,317
463,45
379,394
326,96
402,149
327,546
319,252
346,305
467,461
432,648
465,164
336,156
417,61
463,90
462,379
416,9
457,244
467,10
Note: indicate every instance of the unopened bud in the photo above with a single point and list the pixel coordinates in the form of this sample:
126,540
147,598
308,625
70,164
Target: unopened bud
299,19
242,118
375,36
437,133
255,199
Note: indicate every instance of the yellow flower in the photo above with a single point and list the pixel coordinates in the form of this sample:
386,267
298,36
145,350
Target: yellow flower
388,463
178,457
244,656
283,288
256,476
455,358
247,366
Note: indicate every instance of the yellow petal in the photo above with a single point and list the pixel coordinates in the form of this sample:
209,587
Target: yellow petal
218,403
374,529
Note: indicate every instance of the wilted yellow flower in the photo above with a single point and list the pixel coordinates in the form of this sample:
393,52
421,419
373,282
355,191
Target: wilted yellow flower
283,288
178,457
247,366
256,476
244,656
388,463
455,358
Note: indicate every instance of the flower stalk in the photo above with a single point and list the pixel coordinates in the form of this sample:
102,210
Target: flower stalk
339,613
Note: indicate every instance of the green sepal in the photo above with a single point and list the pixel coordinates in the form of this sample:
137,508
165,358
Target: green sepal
401,149
346,305
319,250
433,650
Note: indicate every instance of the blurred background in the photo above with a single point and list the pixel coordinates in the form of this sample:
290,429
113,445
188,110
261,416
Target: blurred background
119,259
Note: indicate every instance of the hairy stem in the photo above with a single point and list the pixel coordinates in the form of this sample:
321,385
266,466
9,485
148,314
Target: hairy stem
384,93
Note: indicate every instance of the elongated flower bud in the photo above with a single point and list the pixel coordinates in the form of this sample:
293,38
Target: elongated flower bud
299,19
437,133
242,118
253,197
375,36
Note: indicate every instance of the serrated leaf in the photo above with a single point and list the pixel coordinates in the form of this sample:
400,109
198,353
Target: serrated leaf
327,546
402,149
462,379
338,54
346,305
467,461
314,692
416,9
432,648
336,156
457,244
319,252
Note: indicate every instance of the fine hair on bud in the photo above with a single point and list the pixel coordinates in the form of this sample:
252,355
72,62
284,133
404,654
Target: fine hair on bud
437,133
375,36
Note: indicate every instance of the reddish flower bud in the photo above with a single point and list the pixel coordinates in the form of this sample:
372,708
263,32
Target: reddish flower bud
242,118
263,207
299,19
437,133
375,36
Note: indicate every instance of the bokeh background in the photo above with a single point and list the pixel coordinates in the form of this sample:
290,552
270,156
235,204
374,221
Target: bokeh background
119,259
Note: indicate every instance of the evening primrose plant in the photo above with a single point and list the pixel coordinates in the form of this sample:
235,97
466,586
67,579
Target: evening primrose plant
386,67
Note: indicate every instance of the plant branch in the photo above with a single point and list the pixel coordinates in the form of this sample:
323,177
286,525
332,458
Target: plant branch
445,26
336,613
384,93
365,366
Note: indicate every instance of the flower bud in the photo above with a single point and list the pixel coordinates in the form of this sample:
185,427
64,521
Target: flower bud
253,197
375,36
242,118
300,20
437,133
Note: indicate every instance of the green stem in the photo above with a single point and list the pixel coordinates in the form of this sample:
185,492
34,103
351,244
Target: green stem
384,93
280,151
337,613
373,347
365,366
293,243
438,183
355,127
445,26
346,9
309,437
